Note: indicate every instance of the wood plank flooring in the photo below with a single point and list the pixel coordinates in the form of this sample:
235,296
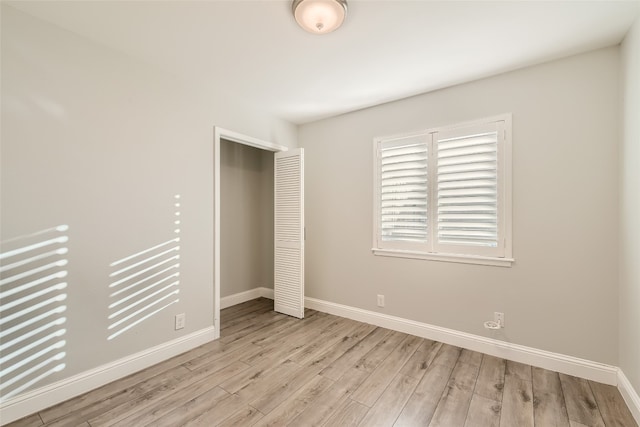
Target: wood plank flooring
269,369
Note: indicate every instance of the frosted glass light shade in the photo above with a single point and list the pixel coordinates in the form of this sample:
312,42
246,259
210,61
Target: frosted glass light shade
319,16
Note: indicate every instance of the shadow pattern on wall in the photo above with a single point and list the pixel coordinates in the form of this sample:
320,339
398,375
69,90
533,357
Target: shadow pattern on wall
33,293
145,283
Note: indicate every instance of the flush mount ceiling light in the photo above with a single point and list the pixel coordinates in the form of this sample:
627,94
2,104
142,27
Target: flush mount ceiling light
319,16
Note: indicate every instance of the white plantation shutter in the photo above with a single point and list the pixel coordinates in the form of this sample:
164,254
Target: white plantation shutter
289,233
468,191
403,191
445,192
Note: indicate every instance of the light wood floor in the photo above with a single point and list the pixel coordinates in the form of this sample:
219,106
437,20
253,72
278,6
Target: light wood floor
271,369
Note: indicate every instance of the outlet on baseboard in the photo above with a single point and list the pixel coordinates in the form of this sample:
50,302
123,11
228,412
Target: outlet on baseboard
380,300
180,321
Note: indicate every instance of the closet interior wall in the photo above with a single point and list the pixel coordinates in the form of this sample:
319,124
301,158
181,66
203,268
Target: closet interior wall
246,215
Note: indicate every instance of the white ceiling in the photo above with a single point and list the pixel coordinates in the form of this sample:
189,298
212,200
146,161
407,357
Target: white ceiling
386,50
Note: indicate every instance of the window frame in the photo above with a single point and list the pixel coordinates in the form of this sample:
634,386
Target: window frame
429,250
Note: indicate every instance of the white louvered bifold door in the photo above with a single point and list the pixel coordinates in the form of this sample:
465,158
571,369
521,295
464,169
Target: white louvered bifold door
289,233
469,191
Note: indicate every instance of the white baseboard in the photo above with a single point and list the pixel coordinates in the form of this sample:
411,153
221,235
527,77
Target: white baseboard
52,394
629,395
266,293
245,296
599,372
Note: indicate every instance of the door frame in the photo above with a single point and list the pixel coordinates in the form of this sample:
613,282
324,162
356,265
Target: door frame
218,134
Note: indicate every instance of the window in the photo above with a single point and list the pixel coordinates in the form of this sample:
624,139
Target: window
445,193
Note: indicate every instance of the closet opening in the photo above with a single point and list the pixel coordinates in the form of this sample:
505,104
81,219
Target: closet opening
243,178
246,232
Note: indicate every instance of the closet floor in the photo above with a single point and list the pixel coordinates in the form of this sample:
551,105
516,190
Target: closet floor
271,369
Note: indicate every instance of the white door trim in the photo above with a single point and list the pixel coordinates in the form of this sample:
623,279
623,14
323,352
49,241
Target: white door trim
218,134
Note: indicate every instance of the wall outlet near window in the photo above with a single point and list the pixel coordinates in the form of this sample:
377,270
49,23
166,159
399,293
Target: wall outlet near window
180,320
380,300
499,318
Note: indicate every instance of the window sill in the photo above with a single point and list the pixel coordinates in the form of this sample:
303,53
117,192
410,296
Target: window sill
464,259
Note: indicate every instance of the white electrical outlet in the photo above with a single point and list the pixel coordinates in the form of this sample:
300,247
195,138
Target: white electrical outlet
180,320
499,318
380,300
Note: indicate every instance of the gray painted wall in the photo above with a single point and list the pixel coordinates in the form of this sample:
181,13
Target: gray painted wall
98,141
630,209
246,219
560,293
